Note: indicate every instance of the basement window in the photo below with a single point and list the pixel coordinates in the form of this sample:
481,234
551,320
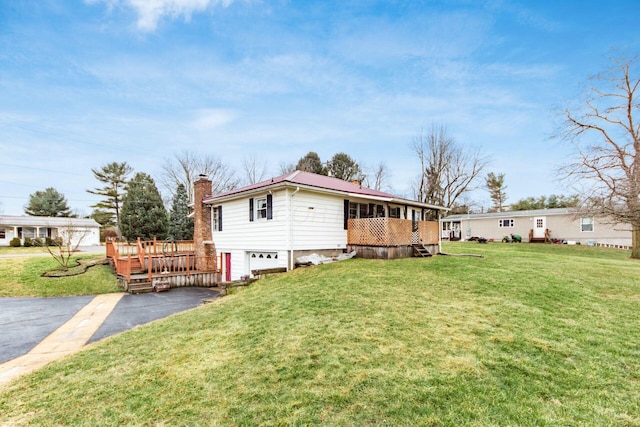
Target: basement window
3,233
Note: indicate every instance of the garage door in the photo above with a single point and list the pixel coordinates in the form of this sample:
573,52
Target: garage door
262,260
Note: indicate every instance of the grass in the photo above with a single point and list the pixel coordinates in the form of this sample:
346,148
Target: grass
22,277
8,250
527,335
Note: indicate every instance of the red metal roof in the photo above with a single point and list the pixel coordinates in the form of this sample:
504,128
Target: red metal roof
309,179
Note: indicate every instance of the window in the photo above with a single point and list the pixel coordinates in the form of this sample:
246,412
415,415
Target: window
3,233
216,218
586,224
394,212
358,210
263,208
366,210
505,223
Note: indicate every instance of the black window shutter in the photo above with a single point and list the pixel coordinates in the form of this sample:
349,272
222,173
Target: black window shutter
219,218
346,214
269,206
251,209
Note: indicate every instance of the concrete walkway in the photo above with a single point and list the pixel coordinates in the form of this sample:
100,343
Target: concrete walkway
67,339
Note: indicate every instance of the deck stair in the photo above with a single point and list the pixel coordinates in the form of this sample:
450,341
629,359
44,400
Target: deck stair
140,287
545,239
420,251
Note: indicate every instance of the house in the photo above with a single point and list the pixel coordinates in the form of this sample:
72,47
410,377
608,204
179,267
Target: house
43,226
272,223
543,225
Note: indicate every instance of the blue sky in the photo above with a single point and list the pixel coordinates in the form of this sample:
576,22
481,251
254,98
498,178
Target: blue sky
86,83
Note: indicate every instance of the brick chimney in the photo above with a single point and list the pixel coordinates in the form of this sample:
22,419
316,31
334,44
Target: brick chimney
204,246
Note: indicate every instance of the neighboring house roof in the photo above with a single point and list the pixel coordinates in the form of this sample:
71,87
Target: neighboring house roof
319,183
45,221
513,214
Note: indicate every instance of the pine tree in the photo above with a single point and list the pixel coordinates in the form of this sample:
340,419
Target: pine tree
114,176
495,185
311,163
143,214
342,166
47,203
180,224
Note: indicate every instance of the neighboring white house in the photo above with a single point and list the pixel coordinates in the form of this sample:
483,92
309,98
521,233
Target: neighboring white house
561,224
44,226
272,223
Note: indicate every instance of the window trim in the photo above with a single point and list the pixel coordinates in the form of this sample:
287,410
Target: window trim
254,210
503,221
592,224
216,218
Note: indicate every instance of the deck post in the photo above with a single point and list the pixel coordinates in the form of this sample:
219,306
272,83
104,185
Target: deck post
128,269
150,268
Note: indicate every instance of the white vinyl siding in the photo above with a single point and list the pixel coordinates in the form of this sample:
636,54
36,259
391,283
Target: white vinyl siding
318,221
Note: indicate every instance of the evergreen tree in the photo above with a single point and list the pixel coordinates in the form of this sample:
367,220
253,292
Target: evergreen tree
114,176
47,203
342,166
143,214
103,217
495,185
543,202
311,163
180,224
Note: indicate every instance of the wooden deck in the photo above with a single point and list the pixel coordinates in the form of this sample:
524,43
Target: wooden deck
142,265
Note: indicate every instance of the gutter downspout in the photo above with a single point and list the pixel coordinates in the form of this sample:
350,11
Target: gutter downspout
291,260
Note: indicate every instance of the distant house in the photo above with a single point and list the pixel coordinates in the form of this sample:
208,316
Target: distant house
561,224
43,226
272,223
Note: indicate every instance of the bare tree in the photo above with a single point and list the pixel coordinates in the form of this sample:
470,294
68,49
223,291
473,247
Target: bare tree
378,178
67,241
606,165
254,171
185,168
447,170
286,167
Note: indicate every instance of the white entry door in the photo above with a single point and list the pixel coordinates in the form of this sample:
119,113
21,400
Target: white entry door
539,227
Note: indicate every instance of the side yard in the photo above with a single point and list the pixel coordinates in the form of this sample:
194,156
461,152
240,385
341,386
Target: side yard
22,277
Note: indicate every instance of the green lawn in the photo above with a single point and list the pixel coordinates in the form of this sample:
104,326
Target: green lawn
22,277
527,335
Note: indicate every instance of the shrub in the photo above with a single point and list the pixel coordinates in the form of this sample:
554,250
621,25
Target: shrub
15,242
37,241
49,241
27,242
108,234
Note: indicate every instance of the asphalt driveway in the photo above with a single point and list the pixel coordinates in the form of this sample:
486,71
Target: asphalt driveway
25,322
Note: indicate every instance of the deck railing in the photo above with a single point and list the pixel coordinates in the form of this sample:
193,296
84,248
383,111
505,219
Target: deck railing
158,258
391,232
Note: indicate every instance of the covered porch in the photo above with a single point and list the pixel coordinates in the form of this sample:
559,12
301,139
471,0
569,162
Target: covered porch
389,238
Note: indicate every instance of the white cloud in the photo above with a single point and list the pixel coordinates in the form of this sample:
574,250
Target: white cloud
211,118
151,11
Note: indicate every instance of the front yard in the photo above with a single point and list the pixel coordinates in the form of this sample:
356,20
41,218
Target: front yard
527,335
